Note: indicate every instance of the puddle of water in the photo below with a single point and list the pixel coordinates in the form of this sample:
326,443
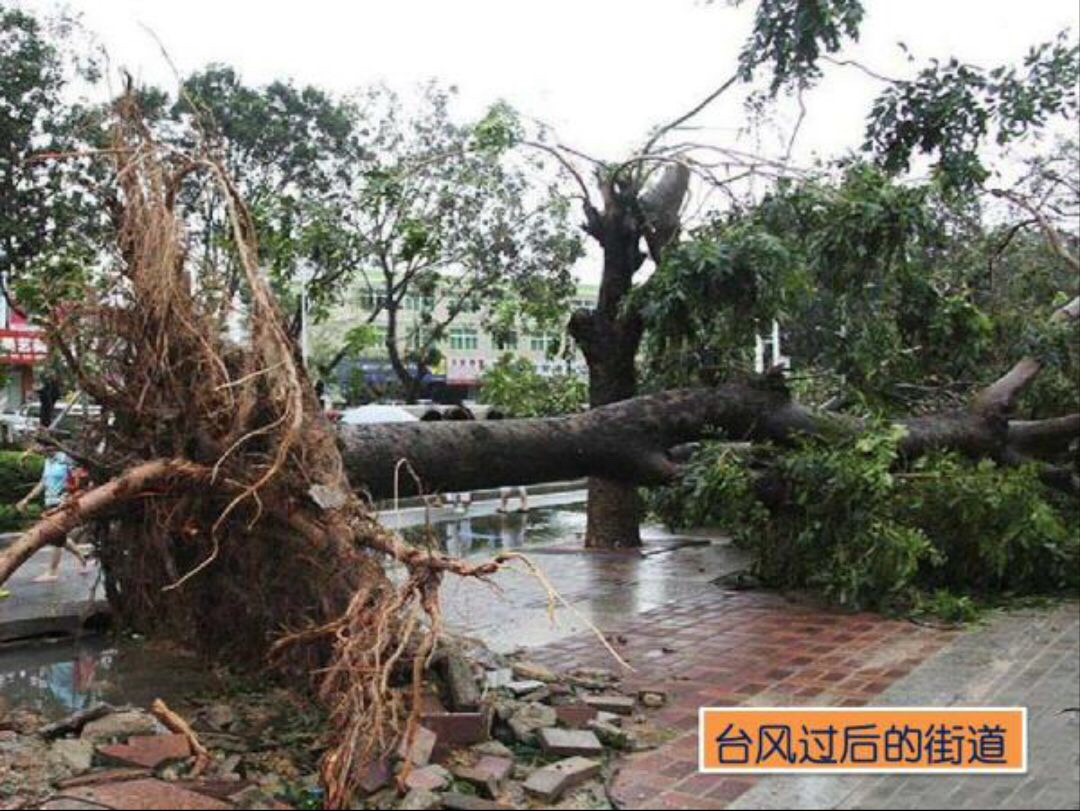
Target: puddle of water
464,536
60,677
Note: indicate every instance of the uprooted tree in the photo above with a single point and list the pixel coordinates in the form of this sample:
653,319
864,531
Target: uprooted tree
226,511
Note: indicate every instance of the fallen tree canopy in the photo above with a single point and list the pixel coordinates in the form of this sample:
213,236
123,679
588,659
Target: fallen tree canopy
225,512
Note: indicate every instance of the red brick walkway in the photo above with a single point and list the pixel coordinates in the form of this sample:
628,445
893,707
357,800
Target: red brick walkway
731,648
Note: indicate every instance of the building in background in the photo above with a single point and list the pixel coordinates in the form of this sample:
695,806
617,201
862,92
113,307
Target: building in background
466,351
22,345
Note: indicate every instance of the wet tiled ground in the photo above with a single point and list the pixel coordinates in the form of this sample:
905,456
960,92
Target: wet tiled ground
706,646
723,648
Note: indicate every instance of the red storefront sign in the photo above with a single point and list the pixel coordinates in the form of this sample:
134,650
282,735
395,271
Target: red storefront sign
22,347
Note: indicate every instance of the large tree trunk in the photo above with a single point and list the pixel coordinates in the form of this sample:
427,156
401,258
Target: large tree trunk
629,443
609,338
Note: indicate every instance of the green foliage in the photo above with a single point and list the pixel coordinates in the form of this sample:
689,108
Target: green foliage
47,226
515,387
868,532
790,36
453,213
710,295
950,109
19,472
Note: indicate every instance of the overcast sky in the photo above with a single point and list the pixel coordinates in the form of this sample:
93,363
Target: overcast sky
600,72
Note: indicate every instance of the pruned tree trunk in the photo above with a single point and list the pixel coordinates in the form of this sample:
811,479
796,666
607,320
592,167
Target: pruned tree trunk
610,335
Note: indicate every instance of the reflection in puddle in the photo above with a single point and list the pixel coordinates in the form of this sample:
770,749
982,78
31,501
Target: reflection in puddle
60,677
463,535
55,679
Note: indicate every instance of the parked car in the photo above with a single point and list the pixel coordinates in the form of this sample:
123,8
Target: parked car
18,426
375,413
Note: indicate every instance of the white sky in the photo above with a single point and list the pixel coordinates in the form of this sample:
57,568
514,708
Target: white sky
600,72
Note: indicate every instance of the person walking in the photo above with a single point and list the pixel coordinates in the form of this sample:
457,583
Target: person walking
58,482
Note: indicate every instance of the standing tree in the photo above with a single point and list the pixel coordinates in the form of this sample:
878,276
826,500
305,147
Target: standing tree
948,112
446,216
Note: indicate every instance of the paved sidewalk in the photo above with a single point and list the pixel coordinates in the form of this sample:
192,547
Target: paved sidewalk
712,647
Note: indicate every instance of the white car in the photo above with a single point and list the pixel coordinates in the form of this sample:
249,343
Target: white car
371,414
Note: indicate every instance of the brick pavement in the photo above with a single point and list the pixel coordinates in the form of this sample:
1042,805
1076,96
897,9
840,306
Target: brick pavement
721,648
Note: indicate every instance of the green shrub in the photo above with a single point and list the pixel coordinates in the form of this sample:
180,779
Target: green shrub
11,520
868,532
19,472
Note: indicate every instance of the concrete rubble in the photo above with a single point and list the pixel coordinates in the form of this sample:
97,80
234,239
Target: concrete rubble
494,732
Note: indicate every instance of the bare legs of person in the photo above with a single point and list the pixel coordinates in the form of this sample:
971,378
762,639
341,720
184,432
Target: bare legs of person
504,498
53,573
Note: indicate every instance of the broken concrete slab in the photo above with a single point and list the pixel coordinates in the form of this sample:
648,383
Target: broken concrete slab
495,679
530,671
529,718
609,734
461,683
609,718
420,800
523,688
419,754
488,774
494,749
121,725
619,705
72,754
551,782
430,778
147,751
569,742
153,795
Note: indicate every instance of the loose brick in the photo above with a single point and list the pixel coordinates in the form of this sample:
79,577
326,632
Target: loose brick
575,716
147,751
422,746
153,795
620,705
455,729
429,778
551,782
569,742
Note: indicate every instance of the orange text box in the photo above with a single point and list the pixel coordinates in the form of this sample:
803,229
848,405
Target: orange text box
863,739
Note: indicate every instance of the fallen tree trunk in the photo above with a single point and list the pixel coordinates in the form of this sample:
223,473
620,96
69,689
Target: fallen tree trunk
631,441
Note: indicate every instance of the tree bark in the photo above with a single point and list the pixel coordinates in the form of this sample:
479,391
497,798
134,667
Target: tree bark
631,442
609,338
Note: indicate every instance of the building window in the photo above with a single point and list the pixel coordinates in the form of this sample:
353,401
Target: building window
464,338
507,342
540,343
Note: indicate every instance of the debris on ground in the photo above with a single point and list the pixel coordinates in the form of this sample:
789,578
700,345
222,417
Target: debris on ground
493,732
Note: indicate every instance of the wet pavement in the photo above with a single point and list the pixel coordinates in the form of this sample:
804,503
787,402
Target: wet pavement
517,609
65,606
701,643
715,647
